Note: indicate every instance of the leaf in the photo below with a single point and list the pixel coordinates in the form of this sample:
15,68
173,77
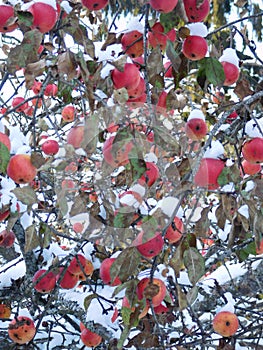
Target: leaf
176,261
66,64
194,262
173,56
37,159
26,195
25,18
110,40
242,89
137,163
154,63
22,55
88,299
31,238
125,264
165,140
182,300
202,225
78,206
124,217
4,158
213,69
34,70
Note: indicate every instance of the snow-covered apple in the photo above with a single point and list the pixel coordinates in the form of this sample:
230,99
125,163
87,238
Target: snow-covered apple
196,129
195,47
231,73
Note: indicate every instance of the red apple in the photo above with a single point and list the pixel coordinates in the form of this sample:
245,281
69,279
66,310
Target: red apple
132,43
250,168
116,154
94,5
6,13
89,338
45,284
154,291
50,147
21,330
129,78
232,116
51,90
164,6
168,69
68,113
20,169
194,47
44,16
149,247
75,136
105,272
231,73
151,174
5,311
225,323
78,227
17,101
36,88
77,264
138,91
196,11
195,129
88,270
208,173
157,37
5,140
7,238
252,150
68,280
175,231
162,100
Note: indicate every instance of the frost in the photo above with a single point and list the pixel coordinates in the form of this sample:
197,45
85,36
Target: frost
66,6
229,55
196,114
198,29
249,186
243,210
134,24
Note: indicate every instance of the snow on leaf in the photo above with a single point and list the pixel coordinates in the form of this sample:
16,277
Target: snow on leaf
194,262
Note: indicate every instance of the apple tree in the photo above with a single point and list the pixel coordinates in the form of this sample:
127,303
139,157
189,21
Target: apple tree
131,193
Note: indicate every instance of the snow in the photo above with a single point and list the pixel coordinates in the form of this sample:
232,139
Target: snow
229,55
244,210
196,114
215,150
51,3
254,128
198,29
168,205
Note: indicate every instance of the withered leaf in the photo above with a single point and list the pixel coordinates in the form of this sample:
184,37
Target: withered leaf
243,89
111,39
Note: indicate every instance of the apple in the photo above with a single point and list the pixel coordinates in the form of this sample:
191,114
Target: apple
105,272
151,174
138,91
76,136
6,13
168,69
162,100
196,129
94,5
88,270
196,11
68,185
218,97
68,280
5,311
208,173
225,323
44,16
250,168
138,61
17,101
163,5
116,154
149,247
194,47
36,87
154,291
231,73
157,37
44,284
175,231
252,150
232,116
7,238
50,147
68,113
129,78
78,227
51,90
89,338
5,140
21,329
132,43
20,169
160,309
77,264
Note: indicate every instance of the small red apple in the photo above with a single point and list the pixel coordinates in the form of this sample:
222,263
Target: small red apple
94,5
149,247
6,13
77,264
68,280
195,129
76,136
132,43
250,168
7,238
164,6
129,78
252,150
51,90
44,16
231,73
196,12
50,147
89,338
175,231
68,113
45,284
5,140
105,272
225,323
17,101
208,173
154,291
195,47
21,330
151,174
20,169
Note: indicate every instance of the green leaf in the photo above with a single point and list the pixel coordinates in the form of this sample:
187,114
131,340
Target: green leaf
88,300
195,264
26,18
125,264
149,225
213,70
25,194
169,20
137,163
4,158
124,217
173,56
